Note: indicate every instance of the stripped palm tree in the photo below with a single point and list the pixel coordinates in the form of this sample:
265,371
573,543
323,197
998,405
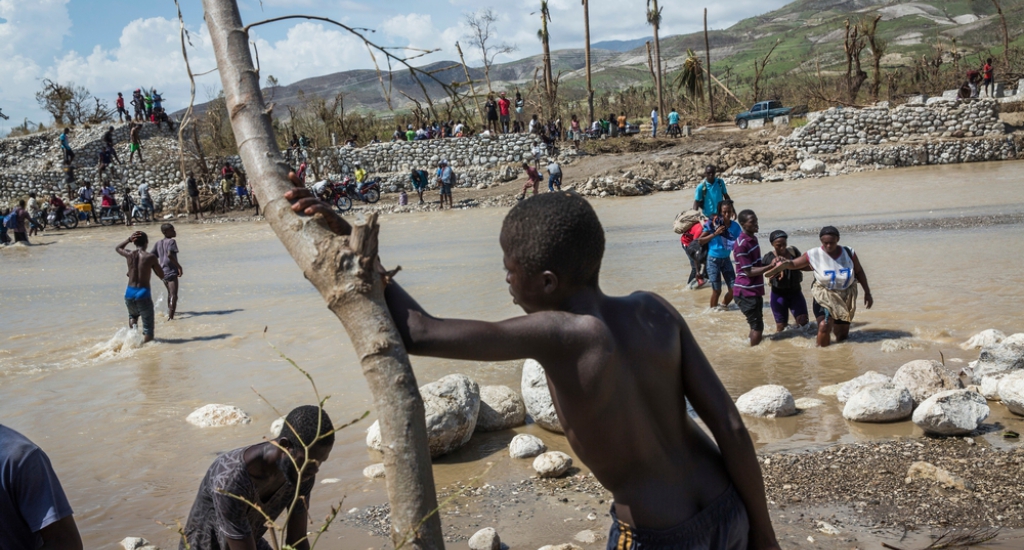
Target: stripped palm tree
690,80
654,20
544,37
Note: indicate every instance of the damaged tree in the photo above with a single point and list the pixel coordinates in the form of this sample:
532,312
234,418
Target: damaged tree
342,268
853,45
878,46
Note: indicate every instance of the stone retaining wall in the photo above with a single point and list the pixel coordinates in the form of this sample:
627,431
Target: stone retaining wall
829,131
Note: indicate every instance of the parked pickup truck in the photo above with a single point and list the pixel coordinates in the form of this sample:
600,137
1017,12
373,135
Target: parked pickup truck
765,110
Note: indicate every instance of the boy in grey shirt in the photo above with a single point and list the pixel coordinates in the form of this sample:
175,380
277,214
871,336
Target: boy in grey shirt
167,251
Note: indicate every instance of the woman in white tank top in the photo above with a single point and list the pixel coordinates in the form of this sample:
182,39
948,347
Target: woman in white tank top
836,271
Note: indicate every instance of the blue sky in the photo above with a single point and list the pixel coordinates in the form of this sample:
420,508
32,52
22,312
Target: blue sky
118,45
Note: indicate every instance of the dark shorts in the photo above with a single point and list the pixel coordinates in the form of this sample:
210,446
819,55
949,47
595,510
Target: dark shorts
446,189
988,81
723,525
141,307
170,277
782,304
20,237
753,309
493,116
820,312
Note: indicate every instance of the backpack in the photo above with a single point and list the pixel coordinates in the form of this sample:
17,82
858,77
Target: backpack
455,179
686,220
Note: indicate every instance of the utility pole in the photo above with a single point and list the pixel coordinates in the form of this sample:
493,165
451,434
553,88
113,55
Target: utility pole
707,50
586,31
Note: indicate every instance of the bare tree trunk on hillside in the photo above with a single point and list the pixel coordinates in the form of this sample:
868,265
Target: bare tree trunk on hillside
707,66
590,85
342,269
878,47
759,70
545,38
853,45
472,89
480,27
1006,36
654,20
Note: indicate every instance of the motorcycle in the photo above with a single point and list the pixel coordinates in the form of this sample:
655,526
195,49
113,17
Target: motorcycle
68,220
143,212
342,194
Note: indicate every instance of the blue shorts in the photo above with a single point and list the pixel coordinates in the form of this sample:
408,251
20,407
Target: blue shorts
242,191
719,268
446,189
139,302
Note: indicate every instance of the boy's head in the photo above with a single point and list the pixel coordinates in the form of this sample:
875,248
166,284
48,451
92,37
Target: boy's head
553,245
748,221
306,426
168,231
141,240
709,172
779,240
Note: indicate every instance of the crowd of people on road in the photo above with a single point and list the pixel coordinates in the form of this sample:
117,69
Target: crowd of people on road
723,250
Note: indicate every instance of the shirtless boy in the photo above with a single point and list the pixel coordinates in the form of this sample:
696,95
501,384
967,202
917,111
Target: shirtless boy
138,297
619,369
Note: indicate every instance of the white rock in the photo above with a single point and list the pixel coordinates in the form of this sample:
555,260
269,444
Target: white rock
526,446
374,471
850,387
953,412
1014,340
501,408
989,386
537,397
879,403
812,166
567,546
213,416
808,403
769,401
552,464
827,528
984,339
485,539
996,359
135,543
1011,392
451,405
924,378
748,173
587,537
830,391
330,481
373,438
926,471
276,427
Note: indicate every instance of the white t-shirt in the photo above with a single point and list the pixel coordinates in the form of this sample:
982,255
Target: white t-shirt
832,273
554,169
144,191
654,115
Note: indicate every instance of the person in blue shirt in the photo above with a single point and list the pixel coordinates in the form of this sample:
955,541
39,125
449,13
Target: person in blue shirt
720,234
710,192
419,182
34,512
65,147
673,122
445,180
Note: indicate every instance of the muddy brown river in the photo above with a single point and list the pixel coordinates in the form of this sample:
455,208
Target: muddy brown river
111,415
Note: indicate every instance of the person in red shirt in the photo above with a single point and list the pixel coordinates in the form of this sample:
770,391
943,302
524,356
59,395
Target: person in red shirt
121,112
694,253
505,111
988,76
532,180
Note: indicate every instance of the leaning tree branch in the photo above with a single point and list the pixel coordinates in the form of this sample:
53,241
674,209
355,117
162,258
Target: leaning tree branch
342,269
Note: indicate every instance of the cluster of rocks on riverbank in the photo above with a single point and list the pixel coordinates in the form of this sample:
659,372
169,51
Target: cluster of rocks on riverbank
925,391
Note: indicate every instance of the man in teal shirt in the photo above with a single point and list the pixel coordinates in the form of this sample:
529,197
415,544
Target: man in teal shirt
710,192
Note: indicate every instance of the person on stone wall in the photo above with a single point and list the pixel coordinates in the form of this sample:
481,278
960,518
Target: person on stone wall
65,146
136,142
988,76
138,105
108,142
491,107
122,114
505,111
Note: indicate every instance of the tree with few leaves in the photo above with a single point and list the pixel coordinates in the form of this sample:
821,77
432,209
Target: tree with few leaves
654,20
481,26
542,34
869,29
690,80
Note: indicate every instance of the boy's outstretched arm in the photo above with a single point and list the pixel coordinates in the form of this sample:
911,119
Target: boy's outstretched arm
544,336
715,407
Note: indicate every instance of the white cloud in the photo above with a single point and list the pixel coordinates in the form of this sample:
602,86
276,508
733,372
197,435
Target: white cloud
311,49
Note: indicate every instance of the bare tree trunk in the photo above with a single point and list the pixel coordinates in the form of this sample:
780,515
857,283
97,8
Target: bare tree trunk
657,59
1006,36
472,89
342,269
586,31
707,67
548,79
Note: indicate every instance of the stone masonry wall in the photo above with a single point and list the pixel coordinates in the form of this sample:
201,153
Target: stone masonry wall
829,131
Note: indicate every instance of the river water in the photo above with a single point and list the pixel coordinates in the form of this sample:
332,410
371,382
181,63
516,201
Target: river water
111,415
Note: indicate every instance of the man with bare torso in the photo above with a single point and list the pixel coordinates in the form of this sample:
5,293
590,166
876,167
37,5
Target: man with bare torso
138,297
620,371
